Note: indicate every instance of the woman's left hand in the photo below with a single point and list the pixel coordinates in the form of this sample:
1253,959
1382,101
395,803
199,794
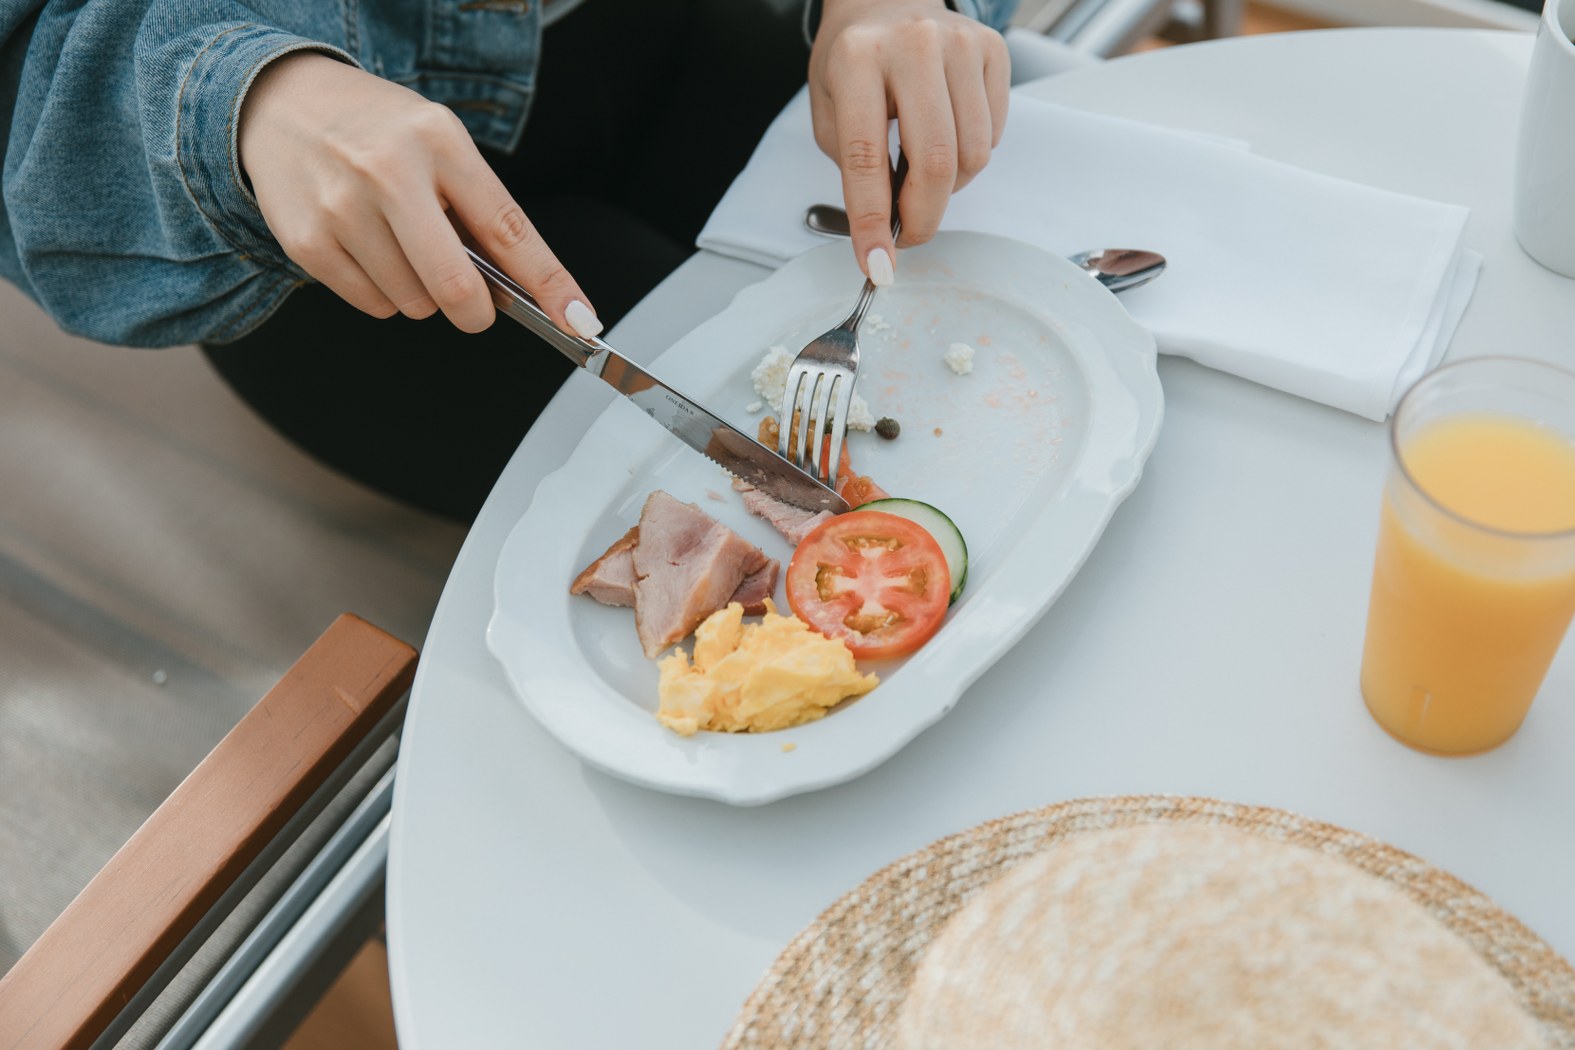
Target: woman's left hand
942,75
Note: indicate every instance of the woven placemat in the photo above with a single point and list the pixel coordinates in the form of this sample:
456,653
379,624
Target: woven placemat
841,982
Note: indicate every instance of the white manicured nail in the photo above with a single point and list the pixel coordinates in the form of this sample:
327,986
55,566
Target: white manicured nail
881,271
582,320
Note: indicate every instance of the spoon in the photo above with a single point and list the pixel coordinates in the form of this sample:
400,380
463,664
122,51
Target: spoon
1116,268
1121,268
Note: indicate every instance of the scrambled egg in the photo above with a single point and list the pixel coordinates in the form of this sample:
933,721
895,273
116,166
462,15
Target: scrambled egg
756,677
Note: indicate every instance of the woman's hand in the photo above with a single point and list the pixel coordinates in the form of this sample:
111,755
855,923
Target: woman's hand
362,182
941,74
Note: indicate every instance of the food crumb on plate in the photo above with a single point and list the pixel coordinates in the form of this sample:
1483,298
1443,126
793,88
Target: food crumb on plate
937,431
713,494
789,747
754,406
859,415
959,358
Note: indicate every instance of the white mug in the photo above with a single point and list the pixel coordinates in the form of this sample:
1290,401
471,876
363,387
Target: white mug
1545,164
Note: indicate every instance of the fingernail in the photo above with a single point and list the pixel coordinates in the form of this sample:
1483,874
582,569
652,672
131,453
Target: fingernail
582,320
881,271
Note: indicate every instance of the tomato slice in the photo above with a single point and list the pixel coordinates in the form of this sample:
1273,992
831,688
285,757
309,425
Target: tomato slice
877,581
859,489
855,488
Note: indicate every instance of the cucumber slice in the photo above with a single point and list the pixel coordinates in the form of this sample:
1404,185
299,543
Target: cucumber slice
937,524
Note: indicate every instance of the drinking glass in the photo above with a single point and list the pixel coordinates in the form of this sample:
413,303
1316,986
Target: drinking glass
1545,152
1474,578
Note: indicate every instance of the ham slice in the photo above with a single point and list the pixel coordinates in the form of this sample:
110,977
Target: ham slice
757,589
686,566
610,579
675,568
792,522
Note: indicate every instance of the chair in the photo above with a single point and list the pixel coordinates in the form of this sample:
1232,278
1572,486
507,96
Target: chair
161,903
1518,15
1104,28
165,557
1034,56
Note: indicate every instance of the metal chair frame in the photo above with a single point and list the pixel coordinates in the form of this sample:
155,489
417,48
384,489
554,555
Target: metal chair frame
252,882
1112,27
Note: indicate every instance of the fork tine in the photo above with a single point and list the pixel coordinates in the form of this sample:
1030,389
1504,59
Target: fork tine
830,363
810,381
839,426
789,405
817,419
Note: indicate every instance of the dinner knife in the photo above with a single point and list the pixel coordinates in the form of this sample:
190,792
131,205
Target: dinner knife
688,420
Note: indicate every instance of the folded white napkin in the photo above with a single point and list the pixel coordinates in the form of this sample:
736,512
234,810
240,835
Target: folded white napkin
1320,287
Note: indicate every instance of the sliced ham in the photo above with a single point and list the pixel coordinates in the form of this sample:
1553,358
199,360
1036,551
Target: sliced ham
792,522
610,578
675,568
756,588
687,566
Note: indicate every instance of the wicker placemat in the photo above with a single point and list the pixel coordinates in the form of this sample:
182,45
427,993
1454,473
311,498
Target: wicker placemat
841,981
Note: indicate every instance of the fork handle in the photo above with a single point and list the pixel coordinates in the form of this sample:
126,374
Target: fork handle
866,296
867,293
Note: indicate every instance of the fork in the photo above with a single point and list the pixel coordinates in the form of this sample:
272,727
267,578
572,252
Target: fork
827,368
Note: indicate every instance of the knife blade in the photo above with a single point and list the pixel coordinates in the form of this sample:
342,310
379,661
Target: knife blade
685,418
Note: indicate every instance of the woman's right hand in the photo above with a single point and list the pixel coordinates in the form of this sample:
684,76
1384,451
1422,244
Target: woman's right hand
362,182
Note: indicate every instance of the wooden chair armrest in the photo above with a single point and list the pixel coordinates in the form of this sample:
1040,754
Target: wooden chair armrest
73,982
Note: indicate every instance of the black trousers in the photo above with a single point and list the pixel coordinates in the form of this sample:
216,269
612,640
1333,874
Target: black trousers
643,115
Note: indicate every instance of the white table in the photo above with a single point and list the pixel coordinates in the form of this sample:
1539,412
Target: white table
1209,646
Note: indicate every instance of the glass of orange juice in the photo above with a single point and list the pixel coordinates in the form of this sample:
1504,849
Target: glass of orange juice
1474,579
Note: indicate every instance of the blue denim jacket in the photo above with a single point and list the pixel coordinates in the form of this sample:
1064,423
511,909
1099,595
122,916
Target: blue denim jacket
125,213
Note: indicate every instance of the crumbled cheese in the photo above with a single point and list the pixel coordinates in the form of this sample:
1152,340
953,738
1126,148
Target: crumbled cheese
959,358
754,406
770,379
859,415
770,375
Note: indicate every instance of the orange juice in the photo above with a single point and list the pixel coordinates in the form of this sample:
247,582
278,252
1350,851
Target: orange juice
1474,582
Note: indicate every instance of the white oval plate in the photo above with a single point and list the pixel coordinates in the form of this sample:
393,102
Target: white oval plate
1029,454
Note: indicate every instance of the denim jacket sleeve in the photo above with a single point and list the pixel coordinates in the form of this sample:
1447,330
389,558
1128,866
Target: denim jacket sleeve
126,215
993,13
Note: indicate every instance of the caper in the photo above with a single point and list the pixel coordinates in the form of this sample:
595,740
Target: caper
887,427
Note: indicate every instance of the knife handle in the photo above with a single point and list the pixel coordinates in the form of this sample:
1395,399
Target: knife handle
518,304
